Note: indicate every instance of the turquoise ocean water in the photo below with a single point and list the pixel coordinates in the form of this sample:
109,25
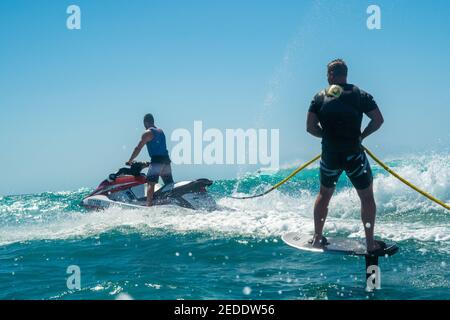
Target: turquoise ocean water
233,253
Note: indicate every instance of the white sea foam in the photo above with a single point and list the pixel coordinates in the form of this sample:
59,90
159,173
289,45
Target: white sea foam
273,215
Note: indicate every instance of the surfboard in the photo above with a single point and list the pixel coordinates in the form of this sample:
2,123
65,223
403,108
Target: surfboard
342,246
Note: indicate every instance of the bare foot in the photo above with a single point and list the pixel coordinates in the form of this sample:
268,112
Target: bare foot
318,241
378,247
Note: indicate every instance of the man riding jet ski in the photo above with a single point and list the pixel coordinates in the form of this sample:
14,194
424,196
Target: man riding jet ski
127,189
155,140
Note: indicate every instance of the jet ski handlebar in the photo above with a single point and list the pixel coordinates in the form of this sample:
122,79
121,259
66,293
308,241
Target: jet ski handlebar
143,164
134,169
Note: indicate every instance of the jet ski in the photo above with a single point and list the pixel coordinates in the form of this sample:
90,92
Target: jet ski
127,189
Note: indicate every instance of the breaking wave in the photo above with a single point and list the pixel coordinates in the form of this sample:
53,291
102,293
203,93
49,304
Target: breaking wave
402,213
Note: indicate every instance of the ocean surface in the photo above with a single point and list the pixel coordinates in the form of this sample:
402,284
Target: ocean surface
232,253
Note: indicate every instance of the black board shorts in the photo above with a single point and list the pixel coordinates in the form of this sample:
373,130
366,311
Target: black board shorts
355,165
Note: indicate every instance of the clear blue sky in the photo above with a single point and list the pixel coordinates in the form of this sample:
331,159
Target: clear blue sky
71,102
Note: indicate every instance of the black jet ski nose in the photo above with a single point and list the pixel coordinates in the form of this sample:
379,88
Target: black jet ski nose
206,182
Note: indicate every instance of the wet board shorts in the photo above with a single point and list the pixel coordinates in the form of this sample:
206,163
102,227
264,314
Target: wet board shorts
157,170
355,165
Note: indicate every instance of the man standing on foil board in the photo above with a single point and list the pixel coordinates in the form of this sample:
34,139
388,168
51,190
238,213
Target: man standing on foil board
335,115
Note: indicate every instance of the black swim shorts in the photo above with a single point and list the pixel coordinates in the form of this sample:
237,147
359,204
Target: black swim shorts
355,165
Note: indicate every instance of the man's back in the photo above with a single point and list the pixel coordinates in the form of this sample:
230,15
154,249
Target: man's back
340,111
157,147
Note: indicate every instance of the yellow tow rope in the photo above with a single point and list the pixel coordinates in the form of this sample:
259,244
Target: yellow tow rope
383,165
409,184
289,177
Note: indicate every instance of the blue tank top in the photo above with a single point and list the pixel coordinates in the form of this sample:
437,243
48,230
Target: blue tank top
157,147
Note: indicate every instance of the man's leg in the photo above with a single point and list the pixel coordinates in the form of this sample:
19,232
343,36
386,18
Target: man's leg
150,192
368,214
359,171
330,171
166,174
321,212
152,180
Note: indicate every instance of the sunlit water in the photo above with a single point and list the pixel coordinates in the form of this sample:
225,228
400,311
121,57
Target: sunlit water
232,253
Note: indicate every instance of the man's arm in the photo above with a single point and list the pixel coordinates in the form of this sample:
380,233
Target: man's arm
146,137
312,125
376,121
